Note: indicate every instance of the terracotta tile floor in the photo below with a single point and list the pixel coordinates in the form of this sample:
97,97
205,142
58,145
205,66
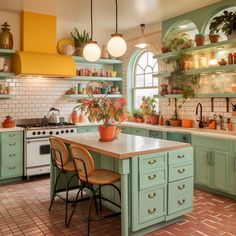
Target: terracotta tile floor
24,211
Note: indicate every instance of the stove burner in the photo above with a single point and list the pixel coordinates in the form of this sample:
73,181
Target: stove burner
42,125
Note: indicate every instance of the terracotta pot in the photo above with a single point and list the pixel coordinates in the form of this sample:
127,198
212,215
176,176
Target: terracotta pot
140,120
199,39
117,132
187,123
175,122
79,51
154,119
75,117
214,38
106,133
147,118
8,122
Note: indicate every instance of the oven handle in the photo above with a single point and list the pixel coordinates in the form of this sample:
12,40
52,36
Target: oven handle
37,139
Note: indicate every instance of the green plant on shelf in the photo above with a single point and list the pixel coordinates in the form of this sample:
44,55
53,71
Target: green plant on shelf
178,42
137,113
80,39
181,82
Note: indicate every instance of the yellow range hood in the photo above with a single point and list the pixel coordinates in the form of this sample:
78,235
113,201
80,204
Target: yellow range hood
38,55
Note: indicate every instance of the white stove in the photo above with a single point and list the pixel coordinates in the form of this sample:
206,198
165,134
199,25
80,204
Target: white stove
37,152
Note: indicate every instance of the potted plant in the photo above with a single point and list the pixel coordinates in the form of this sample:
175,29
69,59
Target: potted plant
138,115
214,38
179,42
80,40
199,39
146,108
225,23
175,121
106,111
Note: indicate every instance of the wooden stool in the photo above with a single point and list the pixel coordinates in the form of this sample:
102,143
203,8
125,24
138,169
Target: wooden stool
60,160
89,176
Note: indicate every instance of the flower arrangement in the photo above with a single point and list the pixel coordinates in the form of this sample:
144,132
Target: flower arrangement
108,112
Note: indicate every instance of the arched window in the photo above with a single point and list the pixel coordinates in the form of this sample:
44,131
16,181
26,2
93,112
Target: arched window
144,83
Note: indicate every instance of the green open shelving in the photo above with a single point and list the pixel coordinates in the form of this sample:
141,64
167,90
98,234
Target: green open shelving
7,96
96,78
99,61
211,95
81,96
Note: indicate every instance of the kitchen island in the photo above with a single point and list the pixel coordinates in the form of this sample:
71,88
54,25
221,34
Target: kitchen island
156,178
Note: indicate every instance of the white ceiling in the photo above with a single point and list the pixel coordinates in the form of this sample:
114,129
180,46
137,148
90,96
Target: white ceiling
131,12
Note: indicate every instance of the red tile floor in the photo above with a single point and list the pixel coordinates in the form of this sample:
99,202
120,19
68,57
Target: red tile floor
24,211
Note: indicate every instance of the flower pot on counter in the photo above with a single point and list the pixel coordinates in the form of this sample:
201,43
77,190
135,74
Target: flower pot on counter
107,133
186,123
154,119
139,119
175,123
147,118
8,122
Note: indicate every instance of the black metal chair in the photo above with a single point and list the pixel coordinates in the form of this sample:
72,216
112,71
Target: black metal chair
88,177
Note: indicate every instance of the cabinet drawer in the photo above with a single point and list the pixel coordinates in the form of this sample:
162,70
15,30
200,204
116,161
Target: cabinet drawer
12,170
11,135
149,179
180,172
152,203
180,195
179,137
87,129
155,134
152,161
125,130
140,132
181,156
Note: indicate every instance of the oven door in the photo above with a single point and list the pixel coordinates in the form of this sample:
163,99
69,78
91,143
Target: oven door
37,152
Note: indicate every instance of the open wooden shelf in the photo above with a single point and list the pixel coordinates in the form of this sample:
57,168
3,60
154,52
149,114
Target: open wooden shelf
81,96
99,61
7,52
96,78
7,96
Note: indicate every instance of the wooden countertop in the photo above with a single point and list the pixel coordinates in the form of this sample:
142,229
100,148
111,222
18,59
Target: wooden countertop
125,146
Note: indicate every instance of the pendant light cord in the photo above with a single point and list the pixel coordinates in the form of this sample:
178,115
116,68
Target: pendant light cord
116,16
91,11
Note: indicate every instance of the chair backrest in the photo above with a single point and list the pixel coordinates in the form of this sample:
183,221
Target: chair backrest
83,160
60,154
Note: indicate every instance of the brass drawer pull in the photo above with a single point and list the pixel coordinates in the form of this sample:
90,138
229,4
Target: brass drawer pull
151,211
181,171
180,156
181,187
181,202
151,195
12,144
12,155
152,162
12,167
152,177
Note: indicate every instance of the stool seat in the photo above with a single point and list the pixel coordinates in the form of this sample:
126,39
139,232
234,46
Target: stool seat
102,177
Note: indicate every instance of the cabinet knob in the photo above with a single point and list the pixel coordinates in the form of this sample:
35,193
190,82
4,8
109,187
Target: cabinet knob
180,156
151,211
12,167
181,187
151,195
12,144
181,202
181,171
12,155
152,177
152,162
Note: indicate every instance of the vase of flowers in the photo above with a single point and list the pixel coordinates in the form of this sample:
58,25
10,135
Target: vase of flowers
106,111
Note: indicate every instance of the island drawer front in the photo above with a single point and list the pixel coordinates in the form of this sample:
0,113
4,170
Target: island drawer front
180,195
13,170
125,130
12,152
87,129
155,134
179,137
152,203
152,161
140,132
149,179
180,172
11,135
180,156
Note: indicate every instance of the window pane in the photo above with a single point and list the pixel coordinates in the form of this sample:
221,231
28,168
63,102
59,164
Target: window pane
139,79
139,70
155,81
148,80
142,61
151,60
139,93
148,69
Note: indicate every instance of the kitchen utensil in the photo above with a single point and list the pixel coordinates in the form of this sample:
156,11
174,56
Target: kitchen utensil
8,122
54,116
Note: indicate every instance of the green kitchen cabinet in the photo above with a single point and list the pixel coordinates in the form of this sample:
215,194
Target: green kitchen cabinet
139,132
212,162
155,134
11,155
125,130
179,137
87,129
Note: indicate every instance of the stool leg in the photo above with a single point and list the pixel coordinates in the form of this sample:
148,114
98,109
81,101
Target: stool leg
90,206
100,199
54,190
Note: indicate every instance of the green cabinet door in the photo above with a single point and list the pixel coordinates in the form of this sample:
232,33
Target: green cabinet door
202,168
140,132
220,170
125,130
179,137
155,134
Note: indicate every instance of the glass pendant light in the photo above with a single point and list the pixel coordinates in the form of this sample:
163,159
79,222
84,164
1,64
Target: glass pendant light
116,46
141,43
91,51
